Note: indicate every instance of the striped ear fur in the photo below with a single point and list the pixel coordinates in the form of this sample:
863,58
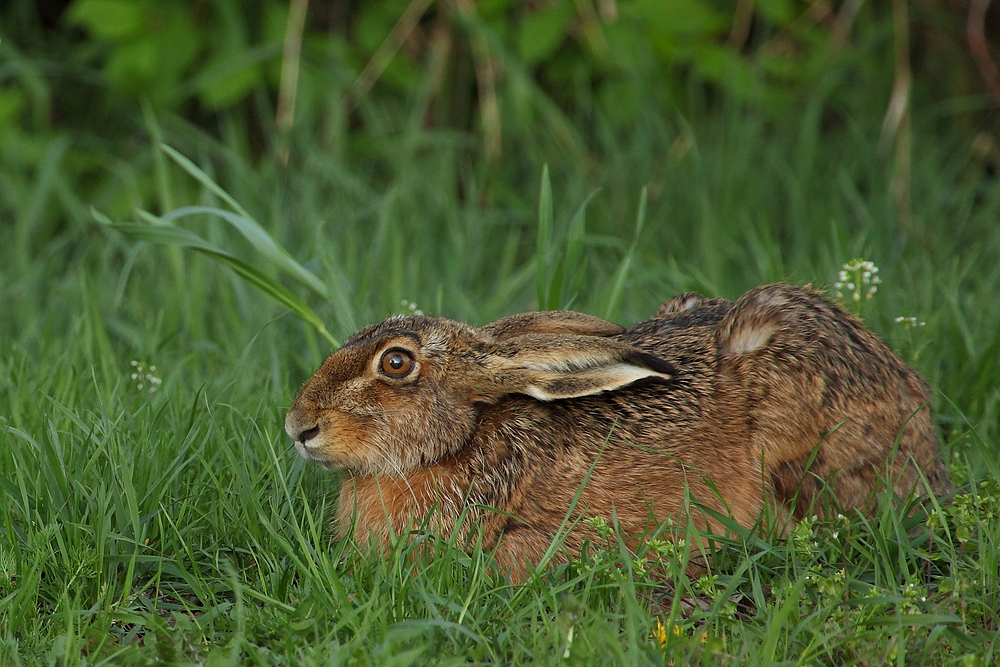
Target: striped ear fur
557,366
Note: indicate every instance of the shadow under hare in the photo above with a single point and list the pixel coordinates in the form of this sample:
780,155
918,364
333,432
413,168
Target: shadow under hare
736,404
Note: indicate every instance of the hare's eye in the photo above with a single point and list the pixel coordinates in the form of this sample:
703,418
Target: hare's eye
397,363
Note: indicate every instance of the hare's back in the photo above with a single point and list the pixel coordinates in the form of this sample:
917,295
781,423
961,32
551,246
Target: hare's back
827,398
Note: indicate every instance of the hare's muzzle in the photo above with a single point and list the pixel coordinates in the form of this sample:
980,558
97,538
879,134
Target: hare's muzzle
300,430
305,436
307,442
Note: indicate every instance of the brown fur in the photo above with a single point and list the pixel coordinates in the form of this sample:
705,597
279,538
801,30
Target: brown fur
723,402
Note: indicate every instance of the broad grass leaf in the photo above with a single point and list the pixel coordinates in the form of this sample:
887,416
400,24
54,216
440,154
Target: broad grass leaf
575,237
178,236
261,241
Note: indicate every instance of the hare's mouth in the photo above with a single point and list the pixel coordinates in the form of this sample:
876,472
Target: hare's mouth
310,454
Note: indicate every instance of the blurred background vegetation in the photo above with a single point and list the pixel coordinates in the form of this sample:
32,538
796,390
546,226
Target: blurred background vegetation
567,77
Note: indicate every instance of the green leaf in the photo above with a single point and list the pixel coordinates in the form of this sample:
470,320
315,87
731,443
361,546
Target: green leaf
12,101
542,31
577,232
722,64
134,65
909,620
110,20
779,11
230,78
223,90
776,626
681,17
178,236
244,224
555,287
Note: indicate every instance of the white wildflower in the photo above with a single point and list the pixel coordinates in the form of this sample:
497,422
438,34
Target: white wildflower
412,307
858,279
144,377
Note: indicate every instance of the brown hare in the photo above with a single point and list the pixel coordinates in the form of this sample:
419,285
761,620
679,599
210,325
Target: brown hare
735,404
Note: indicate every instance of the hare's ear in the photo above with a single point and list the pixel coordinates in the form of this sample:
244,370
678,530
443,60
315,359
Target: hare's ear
550,322
771,312
550,367
680,303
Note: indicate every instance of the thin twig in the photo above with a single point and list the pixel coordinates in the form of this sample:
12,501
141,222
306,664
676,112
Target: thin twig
290,59
844,20
590,25
486,77
438,53
896,125
387,49
608,10
741,23
980,49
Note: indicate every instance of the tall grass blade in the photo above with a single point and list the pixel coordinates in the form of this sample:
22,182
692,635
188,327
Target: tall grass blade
569,274
203,178
777,625
543,248
621,275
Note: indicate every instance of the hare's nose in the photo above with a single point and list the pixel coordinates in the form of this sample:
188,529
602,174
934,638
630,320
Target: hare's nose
307,435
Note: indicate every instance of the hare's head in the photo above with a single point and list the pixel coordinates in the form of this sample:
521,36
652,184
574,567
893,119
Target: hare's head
409,390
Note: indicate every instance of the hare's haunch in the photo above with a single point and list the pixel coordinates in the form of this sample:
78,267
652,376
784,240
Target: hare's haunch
734,403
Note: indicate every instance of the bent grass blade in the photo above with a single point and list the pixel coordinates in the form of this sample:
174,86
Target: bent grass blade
261,241
178,236
244,223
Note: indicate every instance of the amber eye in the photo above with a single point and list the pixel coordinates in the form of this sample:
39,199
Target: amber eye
397,363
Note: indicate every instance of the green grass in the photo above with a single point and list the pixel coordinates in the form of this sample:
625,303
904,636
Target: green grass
179,525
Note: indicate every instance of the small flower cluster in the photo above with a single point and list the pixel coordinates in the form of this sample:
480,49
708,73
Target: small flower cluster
8,572
666,549
145,378
600,526
653,554
858,278
412,307
804,538
913,594
832,585
959,586
659,633
909,322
